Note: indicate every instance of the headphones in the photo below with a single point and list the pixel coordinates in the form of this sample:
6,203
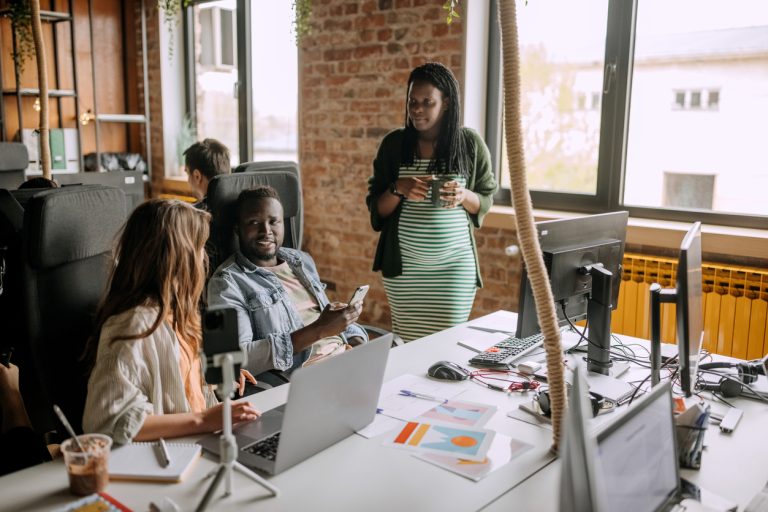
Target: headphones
543,405
730,386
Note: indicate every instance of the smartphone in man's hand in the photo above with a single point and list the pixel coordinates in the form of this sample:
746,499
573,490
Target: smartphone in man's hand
359,294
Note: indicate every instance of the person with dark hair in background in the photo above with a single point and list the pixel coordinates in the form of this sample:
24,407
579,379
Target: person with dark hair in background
20,445
284,317
202,162
426,251
39,182
147,380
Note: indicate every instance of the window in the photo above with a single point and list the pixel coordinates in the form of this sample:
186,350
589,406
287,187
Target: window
249,102
695,99
217,37
686,161
213,94
713,100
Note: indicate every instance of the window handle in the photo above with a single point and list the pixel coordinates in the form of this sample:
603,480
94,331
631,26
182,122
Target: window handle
610,73
235,90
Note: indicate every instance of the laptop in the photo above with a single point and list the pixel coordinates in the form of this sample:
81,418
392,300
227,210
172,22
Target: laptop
327,402
638,462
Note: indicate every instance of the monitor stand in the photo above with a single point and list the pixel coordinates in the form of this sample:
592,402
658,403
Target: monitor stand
599,320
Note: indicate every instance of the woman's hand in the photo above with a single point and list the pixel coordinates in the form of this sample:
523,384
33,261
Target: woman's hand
453,194
241,411
244,374
415,188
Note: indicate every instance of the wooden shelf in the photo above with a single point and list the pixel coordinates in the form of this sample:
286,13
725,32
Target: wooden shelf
52,93
121,118
49,16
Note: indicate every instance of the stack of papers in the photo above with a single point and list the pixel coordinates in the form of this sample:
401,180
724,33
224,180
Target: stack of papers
441,428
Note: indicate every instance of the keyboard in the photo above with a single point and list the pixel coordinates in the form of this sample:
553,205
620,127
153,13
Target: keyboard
266,448
506,351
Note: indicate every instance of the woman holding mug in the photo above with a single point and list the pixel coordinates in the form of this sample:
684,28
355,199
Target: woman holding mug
432,184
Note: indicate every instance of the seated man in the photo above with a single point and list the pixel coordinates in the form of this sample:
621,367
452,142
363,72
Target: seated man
284,317
202,162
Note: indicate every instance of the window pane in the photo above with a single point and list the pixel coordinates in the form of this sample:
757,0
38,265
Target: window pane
562,45
275,81
710,152
216,74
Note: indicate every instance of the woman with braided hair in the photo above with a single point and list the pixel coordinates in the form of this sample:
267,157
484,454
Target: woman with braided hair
426,250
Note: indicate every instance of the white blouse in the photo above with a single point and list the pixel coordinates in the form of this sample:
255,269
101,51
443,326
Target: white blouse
134,378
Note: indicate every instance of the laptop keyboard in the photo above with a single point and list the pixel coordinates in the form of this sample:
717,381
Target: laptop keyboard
266,448
506,351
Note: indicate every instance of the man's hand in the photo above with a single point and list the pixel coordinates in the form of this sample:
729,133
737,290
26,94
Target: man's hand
336,317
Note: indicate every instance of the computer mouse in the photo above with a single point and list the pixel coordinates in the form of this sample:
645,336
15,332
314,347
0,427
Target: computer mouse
446,370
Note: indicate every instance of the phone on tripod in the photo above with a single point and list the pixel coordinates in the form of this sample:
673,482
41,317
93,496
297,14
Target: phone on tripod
220,336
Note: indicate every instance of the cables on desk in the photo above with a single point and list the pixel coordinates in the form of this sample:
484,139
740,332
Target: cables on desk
510,385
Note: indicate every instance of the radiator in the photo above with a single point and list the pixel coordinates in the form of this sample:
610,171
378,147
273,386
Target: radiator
735,303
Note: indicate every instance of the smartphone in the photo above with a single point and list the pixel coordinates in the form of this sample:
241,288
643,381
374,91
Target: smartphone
359,294
220,336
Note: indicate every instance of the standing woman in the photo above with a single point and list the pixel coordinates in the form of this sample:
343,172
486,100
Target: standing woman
147,380
426,251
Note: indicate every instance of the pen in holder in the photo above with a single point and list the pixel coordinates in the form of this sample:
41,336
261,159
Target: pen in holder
689,430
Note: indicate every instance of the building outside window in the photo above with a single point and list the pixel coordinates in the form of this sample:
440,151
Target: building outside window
632,151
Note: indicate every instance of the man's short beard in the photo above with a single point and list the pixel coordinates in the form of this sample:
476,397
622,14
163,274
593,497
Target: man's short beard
264,256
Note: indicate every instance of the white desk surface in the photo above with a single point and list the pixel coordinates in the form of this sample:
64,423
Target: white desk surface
362,474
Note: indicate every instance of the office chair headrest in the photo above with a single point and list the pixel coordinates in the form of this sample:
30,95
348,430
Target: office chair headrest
72,223
13,156
224,189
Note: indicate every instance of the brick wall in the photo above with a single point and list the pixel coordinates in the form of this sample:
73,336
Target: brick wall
154,79
353,72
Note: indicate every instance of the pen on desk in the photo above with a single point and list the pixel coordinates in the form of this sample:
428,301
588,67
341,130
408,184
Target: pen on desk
405,392
165,456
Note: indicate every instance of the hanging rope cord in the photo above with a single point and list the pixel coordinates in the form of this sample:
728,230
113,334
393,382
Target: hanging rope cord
42,80
526,229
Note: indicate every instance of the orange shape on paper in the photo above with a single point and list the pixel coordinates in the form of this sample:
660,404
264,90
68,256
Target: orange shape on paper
464,441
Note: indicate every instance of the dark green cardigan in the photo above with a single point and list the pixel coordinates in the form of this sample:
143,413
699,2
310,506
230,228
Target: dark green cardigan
386,168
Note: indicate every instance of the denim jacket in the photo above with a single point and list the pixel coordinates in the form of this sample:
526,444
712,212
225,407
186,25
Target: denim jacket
266,317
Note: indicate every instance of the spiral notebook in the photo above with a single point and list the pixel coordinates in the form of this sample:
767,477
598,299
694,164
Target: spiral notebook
142,461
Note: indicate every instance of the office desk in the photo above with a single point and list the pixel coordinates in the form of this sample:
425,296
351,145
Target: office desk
362,474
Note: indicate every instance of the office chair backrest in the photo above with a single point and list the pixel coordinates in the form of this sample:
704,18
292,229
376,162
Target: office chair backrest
222,201
14,159
68,237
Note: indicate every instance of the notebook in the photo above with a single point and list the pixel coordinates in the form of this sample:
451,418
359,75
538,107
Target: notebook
142,461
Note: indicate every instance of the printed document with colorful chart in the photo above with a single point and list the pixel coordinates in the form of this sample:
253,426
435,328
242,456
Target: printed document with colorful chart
461,442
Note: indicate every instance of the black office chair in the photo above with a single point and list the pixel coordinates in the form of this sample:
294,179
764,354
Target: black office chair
14,159
68,236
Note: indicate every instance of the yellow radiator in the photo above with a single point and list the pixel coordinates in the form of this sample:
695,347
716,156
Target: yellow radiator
735,303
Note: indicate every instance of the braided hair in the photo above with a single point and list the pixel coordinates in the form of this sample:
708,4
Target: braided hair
452,150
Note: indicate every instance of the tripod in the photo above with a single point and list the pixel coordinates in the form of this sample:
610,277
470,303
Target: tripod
227,443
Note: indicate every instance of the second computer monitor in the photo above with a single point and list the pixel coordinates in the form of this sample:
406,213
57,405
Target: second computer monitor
583,257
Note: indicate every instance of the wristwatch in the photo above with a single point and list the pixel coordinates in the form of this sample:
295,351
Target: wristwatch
393,190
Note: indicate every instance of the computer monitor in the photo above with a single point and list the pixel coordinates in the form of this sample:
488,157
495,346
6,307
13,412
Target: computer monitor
583,258
687,297
637,456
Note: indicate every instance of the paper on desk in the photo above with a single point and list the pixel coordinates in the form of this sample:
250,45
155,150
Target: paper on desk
379,425
482,340
494,323
503,449
407,408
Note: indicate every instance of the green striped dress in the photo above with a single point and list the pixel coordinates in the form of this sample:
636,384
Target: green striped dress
437,287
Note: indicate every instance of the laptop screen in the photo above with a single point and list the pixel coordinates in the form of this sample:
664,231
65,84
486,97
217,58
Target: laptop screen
638,457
